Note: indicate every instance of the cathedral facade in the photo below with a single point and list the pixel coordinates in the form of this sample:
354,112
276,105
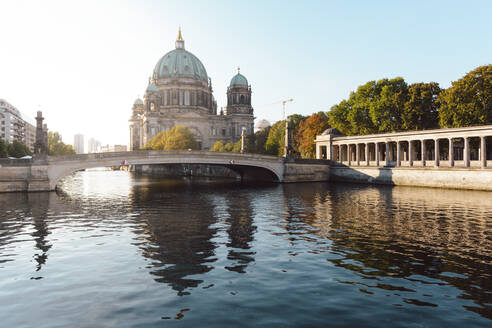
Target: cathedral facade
180,93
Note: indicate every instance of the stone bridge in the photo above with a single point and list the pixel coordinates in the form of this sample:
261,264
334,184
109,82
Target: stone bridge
43,174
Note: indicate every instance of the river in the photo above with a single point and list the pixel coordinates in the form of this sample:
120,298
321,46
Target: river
109,249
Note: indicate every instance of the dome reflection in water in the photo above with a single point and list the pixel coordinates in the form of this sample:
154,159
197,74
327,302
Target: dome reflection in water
111,249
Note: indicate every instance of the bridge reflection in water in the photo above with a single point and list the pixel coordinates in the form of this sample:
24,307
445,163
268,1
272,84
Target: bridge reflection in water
415,246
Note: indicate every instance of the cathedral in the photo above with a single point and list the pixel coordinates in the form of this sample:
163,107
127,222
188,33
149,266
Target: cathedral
180,93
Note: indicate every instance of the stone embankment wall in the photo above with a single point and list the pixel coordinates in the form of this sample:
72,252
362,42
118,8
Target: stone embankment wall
20,175
458,178
305,170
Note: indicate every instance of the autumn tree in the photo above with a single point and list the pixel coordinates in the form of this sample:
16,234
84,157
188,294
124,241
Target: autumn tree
468,101
179,137
308,130
56,146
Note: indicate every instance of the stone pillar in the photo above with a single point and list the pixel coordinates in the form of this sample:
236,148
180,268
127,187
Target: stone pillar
366,150
483,151
288,145
423,152
398,154
466,155
410,153
340,158
349,155
243,137
41,144
376,153
387,158
436,152
451,153
318,151
357,156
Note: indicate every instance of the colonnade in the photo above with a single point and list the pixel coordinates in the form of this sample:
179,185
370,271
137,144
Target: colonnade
463,147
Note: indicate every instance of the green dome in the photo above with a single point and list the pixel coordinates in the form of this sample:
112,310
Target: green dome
239,79
180,63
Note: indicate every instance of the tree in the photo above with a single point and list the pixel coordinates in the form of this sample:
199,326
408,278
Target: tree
18,149
276,138
218,146
308,130
468,101
179,137
387,109
56,146
421,110
3,149
260,141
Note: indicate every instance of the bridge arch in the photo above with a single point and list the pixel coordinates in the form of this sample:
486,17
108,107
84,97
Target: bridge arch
250,166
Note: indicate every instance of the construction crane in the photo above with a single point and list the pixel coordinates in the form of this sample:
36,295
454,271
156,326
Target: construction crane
283,102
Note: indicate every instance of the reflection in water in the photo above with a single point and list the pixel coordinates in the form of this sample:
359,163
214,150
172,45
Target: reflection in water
424,236
141,250
175,233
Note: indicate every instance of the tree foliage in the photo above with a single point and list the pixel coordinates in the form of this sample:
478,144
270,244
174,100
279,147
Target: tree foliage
307,131
3,149
179,137
421,110
388,105
17,149
276,139
468,101
56,146
219,146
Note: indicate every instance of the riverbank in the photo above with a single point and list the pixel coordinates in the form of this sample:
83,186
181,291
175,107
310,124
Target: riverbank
452,178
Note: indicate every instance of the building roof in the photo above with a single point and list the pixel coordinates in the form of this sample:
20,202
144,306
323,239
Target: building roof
239,79
180,63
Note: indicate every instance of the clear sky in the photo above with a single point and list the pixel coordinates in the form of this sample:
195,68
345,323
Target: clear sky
83,63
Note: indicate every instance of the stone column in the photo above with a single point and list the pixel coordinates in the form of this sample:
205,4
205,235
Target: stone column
398,154
243,138
349,155
318,151
423,152
366,150
376,153
387,158
410,153
340,158
451,153
436,152
483,151
466,155
357,156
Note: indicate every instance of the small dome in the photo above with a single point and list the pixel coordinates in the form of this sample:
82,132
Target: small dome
331,131
262,125
239,79
138,101
152,88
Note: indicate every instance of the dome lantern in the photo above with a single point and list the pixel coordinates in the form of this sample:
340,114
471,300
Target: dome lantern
180,44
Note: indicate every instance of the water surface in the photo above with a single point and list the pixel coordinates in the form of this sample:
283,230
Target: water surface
112,250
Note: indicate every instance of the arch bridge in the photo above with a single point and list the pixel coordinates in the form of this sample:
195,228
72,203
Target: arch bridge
41,174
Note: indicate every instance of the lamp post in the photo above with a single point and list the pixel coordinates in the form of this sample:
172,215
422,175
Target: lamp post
243,137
